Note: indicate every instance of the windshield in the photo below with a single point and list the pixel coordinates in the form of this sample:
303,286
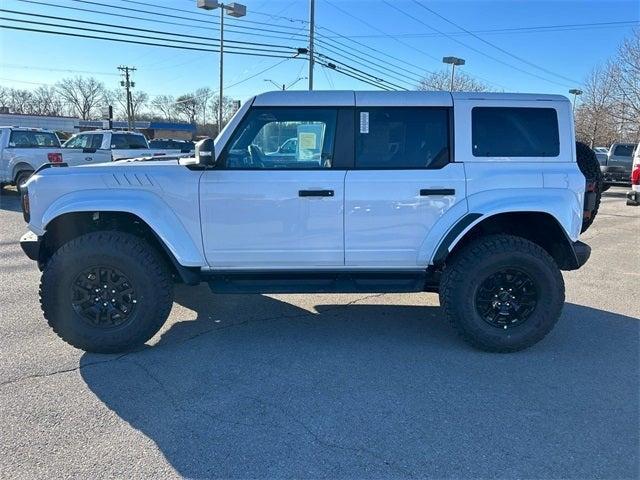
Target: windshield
29,139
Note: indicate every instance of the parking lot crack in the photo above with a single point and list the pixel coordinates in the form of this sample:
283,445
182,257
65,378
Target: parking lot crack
328,444
60,371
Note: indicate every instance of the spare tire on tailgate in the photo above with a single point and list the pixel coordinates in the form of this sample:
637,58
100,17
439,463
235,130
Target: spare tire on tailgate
590,168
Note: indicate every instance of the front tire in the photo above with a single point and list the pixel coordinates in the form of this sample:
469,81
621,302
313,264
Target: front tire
502,293
22,178
106,292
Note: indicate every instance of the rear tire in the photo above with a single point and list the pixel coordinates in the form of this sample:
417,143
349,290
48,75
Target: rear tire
502,293
106,292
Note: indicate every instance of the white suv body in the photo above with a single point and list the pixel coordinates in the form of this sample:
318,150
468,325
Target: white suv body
384,188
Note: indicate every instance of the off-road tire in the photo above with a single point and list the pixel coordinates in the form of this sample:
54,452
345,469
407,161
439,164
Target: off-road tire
21,178
590,168
477,261
144,268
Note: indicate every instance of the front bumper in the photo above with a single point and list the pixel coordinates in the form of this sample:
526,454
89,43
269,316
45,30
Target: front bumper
31,245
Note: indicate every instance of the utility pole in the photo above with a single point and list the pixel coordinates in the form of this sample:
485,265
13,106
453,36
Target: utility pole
312,26
128,85
236,10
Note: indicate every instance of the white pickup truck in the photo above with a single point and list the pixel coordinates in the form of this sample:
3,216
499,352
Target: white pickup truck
24,150
115,145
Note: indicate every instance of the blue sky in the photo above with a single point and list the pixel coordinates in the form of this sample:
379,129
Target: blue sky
383,28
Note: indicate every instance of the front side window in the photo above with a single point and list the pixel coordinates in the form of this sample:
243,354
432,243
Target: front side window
283,138
402,137
515,132
95,141
28,139
128,141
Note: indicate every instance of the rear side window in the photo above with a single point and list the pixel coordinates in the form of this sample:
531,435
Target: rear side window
402,137
515,132
27,139
127,141
623,150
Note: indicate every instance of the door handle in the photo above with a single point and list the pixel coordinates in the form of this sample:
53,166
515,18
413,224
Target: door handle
425,192
315,193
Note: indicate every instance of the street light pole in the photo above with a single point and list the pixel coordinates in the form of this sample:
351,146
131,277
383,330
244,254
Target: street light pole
575,92
221,67
235,10
453,61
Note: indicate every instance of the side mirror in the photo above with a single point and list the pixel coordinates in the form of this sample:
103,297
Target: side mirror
205,152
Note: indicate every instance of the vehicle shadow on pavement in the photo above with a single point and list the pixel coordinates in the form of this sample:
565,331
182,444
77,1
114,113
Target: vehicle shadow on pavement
9,200
257,387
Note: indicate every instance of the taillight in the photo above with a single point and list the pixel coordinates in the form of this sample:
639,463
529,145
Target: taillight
54,157
635,175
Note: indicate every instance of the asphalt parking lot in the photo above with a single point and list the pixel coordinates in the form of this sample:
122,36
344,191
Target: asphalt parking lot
328,386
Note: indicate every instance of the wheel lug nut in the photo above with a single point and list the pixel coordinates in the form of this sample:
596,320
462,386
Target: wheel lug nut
113,300
97,299
104,304
134,301
113,291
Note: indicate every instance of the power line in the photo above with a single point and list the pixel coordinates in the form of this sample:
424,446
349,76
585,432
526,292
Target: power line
206,15
367,62
361,72
63,70
191,26
473,48
121,40
497,31
506,52
137,10
270,50
350,74
161,32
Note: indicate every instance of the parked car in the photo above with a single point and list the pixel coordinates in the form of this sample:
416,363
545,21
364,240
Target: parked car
169,144
617,170
115,144
24,150
479,197
633,195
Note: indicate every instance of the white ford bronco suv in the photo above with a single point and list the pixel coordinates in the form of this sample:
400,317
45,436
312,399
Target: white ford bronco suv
479,197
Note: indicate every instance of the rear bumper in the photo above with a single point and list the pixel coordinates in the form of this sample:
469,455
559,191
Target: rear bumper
31,245
613,175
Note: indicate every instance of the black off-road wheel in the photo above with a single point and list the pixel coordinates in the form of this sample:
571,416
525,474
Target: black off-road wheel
590,168
106,292
502,293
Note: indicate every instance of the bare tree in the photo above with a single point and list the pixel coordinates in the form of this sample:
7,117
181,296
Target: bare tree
165,106
84,95
442,81
593,118
118,98
47,101
188,107
627,81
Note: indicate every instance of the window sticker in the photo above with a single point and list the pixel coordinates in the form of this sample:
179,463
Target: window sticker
364,122
307,140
